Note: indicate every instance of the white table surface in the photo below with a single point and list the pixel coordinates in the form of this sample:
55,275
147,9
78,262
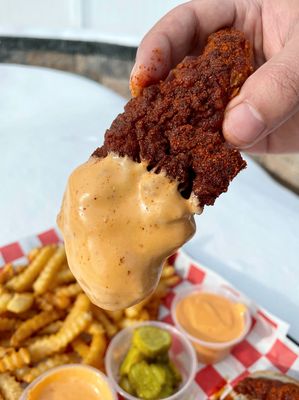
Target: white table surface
51,121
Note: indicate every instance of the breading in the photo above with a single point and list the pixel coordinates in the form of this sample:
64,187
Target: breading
176,125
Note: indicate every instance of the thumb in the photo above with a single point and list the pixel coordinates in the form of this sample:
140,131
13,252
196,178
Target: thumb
267,99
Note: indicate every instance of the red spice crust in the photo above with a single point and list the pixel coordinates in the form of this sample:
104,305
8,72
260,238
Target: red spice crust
175,125
267,389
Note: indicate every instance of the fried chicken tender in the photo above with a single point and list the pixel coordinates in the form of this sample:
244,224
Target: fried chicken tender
266,389
175,125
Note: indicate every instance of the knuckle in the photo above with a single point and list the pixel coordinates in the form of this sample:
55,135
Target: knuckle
285,78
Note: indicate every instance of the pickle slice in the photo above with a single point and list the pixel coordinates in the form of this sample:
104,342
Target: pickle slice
151,341
146,380
124,383
133,356
177,377
166,391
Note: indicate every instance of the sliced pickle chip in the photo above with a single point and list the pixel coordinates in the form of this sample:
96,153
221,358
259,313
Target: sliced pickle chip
124,383
166,391
146,381
152,341
177,377
133,356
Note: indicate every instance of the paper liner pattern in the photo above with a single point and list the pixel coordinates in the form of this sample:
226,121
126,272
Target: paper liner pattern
265,347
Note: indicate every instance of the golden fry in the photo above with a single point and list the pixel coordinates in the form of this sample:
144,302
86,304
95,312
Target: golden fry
82,304
9,387
97,347
115,316
47,275
71,290
5,350
54,343
168,271
172,280
33,253
23,281
43,366
152,308
80,347
64,276
27,328
14,360
54,327
100,315
134,311
4,300
143,316
6,273
20,302
21,372
8,324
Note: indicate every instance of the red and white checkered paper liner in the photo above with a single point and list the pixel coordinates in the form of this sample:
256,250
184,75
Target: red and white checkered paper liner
265,347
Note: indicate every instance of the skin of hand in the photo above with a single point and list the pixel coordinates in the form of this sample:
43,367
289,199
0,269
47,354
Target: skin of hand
264,116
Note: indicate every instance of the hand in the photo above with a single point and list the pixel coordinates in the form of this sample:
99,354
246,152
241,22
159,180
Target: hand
264,117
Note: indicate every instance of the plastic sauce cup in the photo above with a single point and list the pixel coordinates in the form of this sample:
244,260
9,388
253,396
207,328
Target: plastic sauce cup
98,383
181,354
211,352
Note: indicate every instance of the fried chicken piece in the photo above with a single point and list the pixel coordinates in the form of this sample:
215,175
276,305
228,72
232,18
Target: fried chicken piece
175,125
266,389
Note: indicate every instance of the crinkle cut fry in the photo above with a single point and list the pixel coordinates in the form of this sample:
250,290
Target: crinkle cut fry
176,125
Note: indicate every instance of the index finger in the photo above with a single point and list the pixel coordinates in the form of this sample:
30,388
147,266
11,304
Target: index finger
179,33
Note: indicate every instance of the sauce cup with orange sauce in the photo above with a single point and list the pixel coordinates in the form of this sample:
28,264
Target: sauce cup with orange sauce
70,382
215,319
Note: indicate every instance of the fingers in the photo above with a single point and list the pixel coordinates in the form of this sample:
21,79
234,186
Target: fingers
176,35
267,99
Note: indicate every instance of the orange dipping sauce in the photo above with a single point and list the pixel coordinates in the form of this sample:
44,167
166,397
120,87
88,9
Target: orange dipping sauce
214,322
71,383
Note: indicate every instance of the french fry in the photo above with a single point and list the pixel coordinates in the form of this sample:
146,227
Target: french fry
54,327
8,324
14,360
23,281
143,316
64,276
80,347
27,328
20,302
134,311
100,315
21,372
4,300
9,387
97,348
47,275
5,350
115,316
48,301
23,316
6,273
82,304
152,308
54,343
168,271
43,366
71,290
19,268
171,280
33,253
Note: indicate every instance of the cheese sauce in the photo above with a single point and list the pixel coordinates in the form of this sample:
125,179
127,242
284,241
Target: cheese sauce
210,317
71,383
119,222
